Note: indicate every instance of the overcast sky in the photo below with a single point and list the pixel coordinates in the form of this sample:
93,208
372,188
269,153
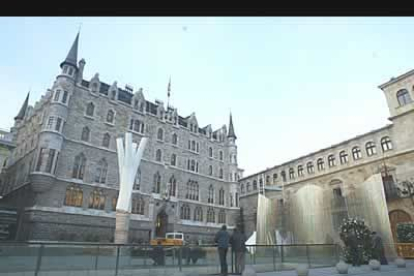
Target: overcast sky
294,85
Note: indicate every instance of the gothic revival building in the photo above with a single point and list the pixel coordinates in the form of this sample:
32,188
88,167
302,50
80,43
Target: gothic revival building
63,174
340,168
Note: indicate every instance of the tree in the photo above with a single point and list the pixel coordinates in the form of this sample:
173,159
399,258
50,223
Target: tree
355,228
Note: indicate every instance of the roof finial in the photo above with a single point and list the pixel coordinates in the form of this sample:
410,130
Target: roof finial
80,27
168,93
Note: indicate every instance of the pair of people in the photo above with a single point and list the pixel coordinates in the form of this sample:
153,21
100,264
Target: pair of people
238,245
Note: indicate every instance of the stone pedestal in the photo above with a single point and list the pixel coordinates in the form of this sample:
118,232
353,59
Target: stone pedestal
121,227
374,265
342,267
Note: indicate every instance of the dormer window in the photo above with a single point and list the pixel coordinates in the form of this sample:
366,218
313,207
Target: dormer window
113,95
65,69
94,87
136,103
70,71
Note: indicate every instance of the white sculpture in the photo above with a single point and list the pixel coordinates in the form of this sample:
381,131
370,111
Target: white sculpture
129,158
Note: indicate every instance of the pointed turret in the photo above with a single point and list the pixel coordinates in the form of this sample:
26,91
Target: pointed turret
231,129
22,112
72,57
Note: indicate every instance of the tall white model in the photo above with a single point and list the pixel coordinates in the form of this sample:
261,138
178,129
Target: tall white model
129,158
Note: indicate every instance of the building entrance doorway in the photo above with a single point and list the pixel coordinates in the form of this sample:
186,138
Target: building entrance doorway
161,224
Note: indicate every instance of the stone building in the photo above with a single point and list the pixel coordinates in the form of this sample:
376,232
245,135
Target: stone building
6,146
62,177
338,168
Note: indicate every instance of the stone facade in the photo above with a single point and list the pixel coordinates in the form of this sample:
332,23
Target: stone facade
63,173
388,150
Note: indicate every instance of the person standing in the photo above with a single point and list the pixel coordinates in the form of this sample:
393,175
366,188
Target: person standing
379,250
222,239
238,245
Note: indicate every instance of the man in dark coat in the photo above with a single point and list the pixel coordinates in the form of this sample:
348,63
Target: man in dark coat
379,251
222,239
238,245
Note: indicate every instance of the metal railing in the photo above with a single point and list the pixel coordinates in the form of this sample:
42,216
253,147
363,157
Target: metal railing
38,258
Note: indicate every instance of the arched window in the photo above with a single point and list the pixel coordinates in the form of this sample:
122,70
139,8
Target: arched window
321,164
370,148
174,139
110,116
173,186
343,157
192,191
221,155
221,197
74,196
291,173
331,160
158,155
283,174
137,181
90,109
185,212
222,217
221,173
157,183
106,140
261,183
403,97
85,134
300,170
173,159
97,200
210,198
211,217
198,214
136,104
386,144
160,134
101,171
242,188
274,178
254,184
210,170
79,166
247,187
356,153
310,167
210,152
138,206
267,179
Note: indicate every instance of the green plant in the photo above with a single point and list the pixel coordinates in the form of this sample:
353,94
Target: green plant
354,230
405,232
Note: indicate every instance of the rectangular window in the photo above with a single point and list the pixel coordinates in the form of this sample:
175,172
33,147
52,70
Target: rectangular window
50,159
65,97
42,159
50,122
57,95
58,124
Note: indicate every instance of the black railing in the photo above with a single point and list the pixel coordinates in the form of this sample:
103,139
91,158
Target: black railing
33,258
